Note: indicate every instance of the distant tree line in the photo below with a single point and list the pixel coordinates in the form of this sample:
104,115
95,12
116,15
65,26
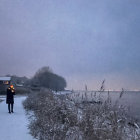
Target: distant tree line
17,79
45,77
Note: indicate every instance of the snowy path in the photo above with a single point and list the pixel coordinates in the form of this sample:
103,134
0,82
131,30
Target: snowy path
14,126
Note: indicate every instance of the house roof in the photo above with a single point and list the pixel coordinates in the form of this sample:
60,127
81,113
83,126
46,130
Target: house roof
5,78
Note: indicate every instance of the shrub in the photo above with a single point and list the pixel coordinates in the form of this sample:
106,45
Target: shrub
59,117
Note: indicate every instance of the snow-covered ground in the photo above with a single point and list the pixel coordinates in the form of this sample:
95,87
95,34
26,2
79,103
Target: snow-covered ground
14,126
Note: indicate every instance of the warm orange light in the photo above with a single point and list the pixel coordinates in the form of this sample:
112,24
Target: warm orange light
6,82
11,86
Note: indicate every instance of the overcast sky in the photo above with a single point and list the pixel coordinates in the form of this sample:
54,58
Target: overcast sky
84,41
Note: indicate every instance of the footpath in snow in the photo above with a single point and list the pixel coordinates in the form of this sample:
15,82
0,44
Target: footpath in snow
14,126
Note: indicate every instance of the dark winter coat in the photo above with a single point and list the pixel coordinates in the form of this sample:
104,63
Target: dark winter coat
10,96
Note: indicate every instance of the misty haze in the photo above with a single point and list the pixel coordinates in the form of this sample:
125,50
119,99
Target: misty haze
69,70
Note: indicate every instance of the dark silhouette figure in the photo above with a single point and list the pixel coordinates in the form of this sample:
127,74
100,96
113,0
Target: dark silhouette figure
10,98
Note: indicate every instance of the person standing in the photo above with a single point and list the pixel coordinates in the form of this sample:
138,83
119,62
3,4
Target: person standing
10,98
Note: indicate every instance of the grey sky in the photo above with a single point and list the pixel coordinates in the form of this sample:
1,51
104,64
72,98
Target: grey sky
85,41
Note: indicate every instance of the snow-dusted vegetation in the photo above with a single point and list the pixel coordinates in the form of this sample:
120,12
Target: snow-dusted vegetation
61,117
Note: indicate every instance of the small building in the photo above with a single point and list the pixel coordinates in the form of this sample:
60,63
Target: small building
4,83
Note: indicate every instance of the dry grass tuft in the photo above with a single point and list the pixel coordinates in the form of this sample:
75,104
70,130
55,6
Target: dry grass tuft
74,117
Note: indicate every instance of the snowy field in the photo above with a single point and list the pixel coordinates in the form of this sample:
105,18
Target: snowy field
14,126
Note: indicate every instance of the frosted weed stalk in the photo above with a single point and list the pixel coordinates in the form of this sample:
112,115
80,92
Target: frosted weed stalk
64,117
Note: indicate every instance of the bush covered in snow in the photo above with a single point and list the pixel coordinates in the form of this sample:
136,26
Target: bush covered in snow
59,117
